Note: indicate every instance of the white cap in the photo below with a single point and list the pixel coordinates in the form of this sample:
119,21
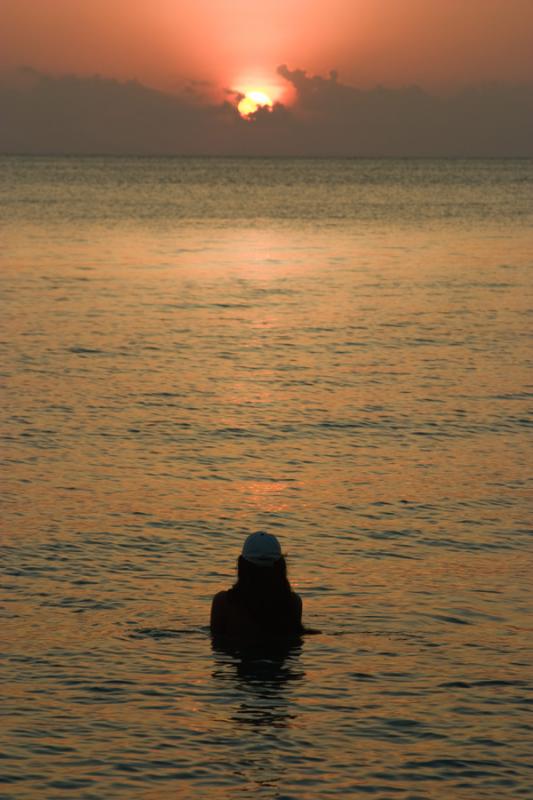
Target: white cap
261,549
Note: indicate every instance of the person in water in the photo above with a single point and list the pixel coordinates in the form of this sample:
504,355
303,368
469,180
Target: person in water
261,603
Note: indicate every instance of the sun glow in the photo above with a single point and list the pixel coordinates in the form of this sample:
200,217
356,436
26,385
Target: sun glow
253,100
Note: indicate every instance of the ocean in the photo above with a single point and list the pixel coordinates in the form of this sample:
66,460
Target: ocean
335,351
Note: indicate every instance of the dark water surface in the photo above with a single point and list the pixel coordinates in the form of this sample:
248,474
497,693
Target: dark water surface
335,351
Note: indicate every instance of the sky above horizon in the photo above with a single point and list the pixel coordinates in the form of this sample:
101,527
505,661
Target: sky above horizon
437,44
200,49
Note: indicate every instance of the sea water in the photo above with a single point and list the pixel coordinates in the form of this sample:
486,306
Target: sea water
335,351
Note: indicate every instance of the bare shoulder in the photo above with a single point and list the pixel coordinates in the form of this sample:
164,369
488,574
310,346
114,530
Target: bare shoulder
218,619
220,598
297,606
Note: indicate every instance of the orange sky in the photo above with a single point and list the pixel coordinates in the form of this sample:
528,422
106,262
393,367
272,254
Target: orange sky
439,44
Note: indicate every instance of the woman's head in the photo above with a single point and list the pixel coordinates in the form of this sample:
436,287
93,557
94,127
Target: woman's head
261,567
262,570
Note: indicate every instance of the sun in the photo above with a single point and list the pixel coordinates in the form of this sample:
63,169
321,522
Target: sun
253,100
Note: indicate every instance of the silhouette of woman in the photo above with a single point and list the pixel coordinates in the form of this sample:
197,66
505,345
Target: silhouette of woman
261,603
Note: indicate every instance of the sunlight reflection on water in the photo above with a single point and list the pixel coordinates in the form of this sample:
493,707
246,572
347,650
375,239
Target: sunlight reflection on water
359,385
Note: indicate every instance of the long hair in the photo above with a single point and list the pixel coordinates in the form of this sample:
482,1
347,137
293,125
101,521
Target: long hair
265,593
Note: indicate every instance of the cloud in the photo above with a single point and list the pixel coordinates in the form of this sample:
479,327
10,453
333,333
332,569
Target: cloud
45,114
486,121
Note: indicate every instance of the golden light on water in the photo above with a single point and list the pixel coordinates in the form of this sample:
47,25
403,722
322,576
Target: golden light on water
276,359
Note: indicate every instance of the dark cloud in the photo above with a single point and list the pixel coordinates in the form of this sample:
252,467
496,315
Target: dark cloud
44,114
98,115
486,121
